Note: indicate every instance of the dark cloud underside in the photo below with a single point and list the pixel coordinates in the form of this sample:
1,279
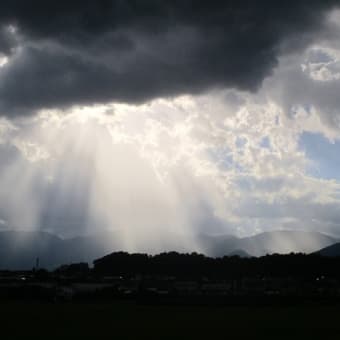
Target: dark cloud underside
81,52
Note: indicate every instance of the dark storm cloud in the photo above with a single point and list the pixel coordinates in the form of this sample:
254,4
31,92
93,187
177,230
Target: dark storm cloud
8,41
83,52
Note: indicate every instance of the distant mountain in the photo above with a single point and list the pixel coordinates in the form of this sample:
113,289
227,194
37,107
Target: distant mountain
217,245
330,251
87,248
20,249
239,252
280,242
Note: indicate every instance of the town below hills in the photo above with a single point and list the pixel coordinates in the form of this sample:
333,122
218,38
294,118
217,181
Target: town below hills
19,250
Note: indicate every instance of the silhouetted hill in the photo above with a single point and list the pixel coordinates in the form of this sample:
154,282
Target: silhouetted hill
330,251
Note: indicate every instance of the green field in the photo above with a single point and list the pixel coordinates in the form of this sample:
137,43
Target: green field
130,321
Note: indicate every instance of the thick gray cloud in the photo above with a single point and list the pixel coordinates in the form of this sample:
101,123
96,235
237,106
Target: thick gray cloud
83,52
7,40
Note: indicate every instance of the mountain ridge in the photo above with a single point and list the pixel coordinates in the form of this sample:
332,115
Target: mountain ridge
20,249
331,251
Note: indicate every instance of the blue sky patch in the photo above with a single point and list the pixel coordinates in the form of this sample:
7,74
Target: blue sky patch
324,154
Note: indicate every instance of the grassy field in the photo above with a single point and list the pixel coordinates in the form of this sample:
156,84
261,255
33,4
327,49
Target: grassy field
130,321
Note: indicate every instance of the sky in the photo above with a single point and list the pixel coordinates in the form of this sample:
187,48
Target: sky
161,118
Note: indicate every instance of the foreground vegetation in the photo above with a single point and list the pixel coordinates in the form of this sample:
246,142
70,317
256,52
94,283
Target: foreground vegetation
127,320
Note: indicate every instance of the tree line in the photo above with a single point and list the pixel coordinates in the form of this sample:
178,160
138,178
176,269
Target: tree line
197,265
